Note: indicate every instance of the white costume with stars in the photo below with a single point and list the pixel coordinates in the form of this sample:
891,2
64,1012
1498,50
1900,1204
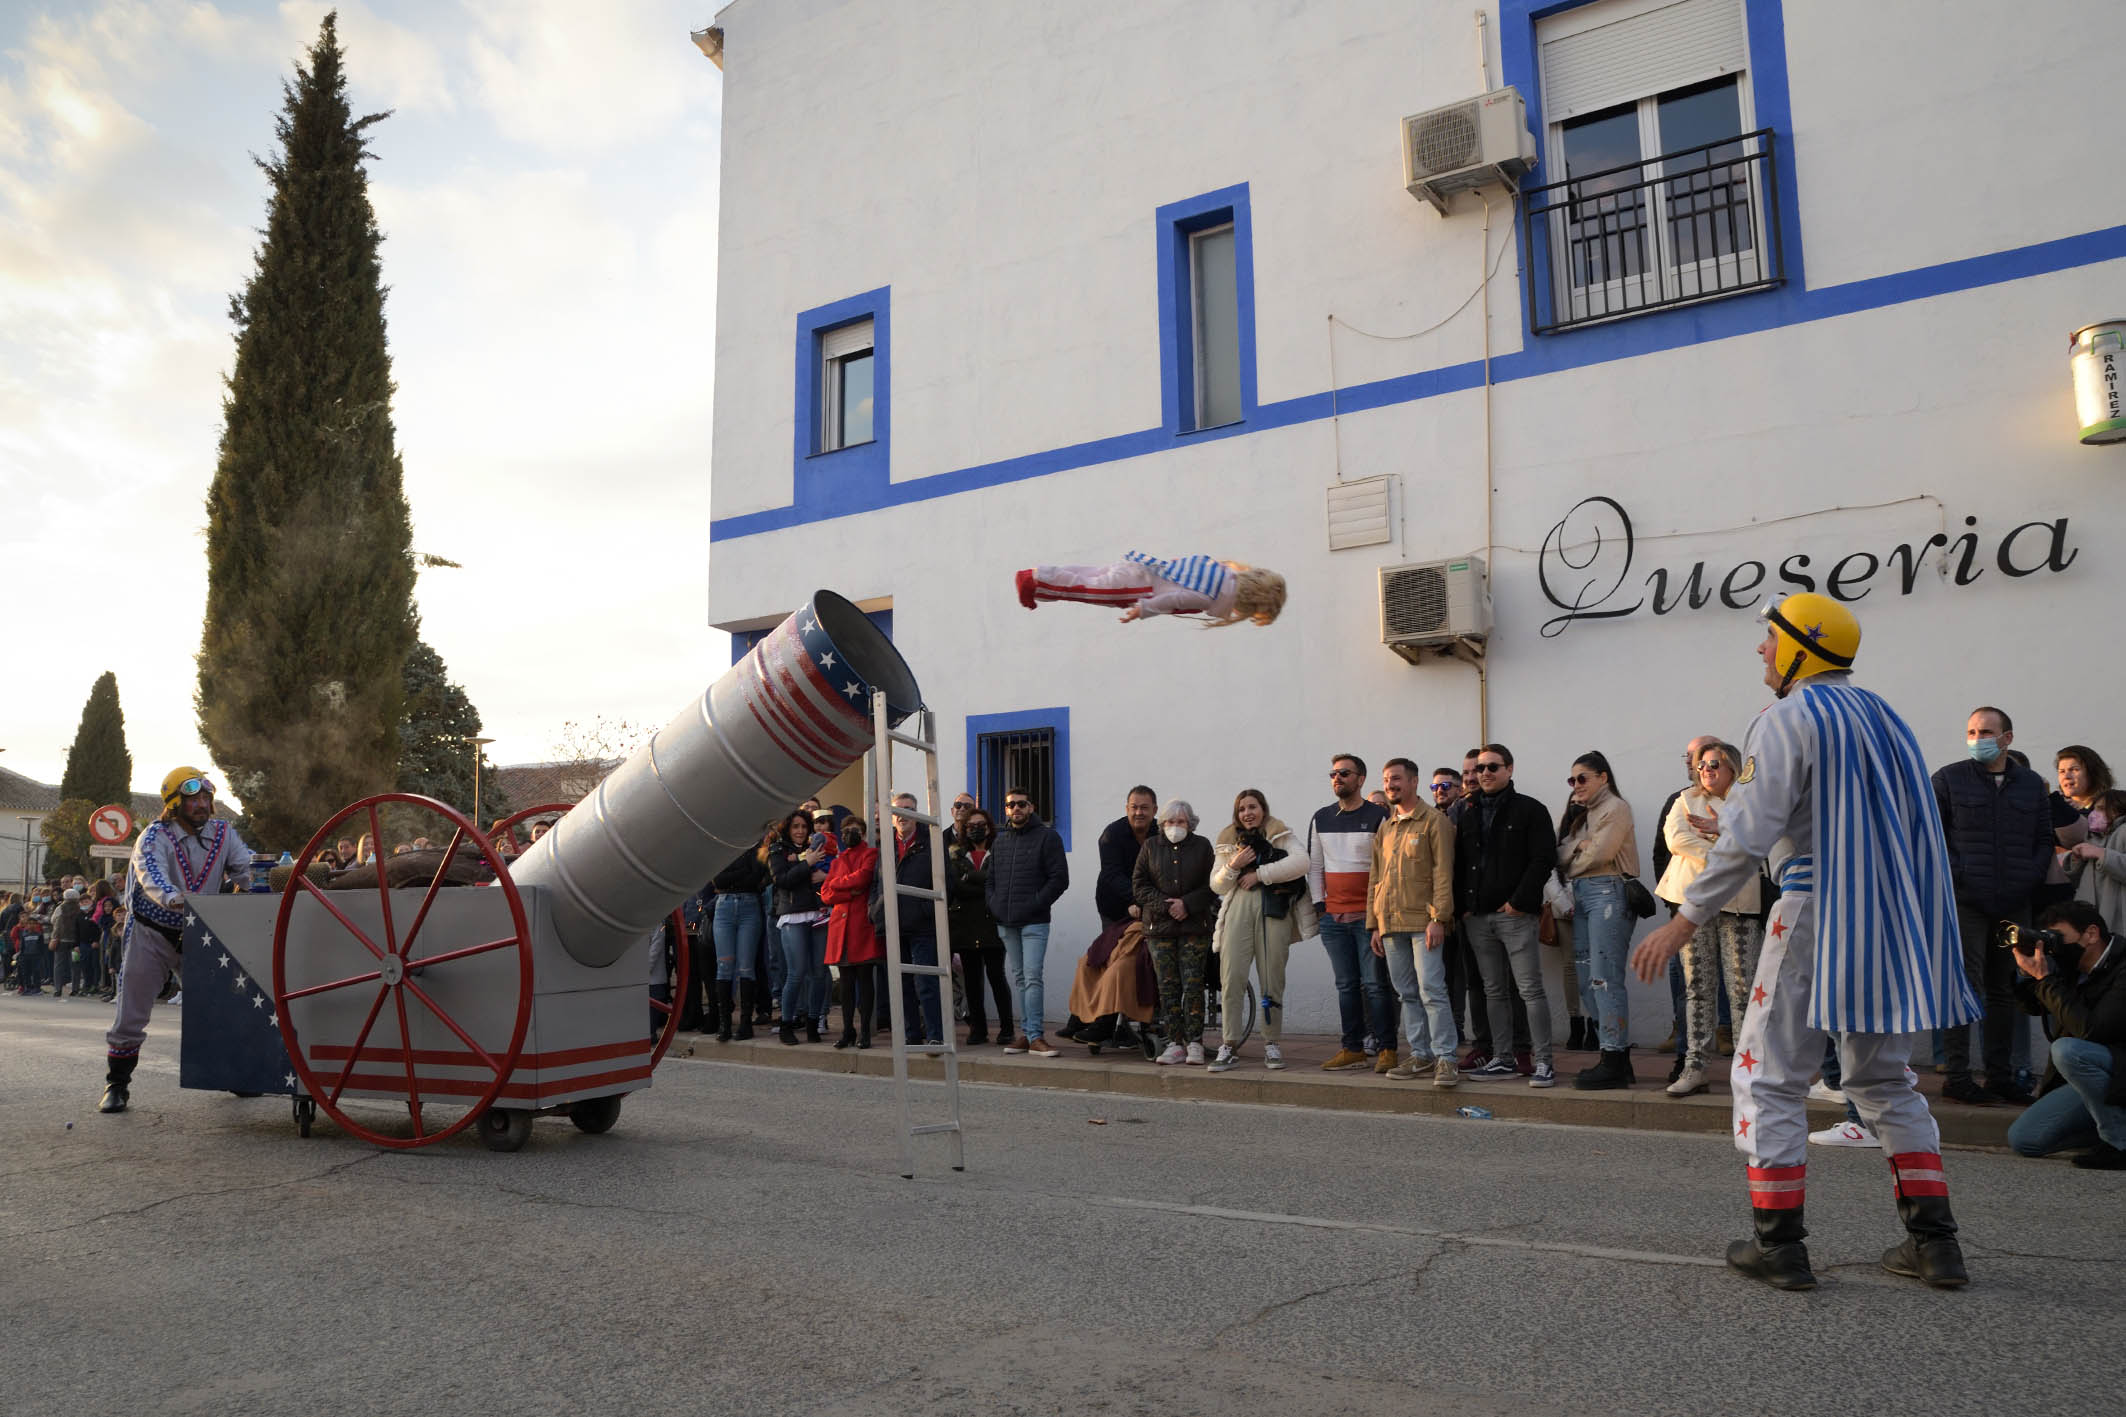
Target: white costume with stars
1863,941
169,864
1185,585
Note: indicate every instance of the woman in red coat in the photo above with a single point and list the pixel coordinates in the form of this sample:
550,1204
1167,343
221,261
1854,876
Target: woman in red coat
852,941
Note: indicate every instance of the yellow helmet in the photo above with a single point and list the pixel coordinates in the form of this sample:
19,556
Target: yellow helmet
183,782
1815,635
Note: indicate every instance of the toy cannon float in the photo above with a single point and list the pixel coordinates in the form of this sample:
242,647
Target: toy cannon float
526,996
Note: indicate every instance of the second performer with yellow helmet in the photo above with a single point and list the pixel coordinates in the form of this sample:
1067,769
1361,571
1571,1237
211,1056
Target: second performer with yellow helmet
1863,943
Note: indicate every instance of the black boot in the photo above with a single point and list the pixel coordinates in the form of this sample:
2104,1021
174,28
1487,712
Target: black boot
1613,1071
117,1084
786,1033
1777,1255
723,1010
812,1034
748,991
1576,1039
1071,1027
1930,1251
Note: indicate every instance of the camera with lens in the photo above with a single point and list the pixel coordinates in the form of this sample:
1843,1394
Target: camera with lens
2065,954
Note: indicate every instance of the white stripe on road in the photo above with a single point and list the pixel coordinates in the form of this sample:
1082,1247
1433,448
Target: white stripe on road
1496,1242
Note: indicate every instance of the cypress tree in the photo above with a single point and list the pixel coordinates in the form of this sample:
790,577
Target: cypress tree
434,758
310,574
98,767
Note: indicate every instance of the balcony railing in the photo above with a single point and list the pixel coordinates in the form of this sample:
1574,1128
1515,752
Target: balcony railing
1691,225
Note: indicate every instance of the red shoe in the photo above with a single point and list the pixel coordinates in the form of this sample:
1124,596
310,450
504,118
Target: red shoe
1024,581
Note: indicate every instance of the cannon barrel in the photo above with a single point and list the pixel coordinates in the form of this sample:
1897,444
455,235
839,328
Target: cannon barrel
780,725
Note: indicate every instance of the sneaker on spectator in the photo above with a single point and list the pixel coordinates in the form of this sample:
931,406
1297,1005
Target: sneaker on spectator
1174,1056
1821,1091
1846,1133
1346,1060
1384,1061
1494,1068
1017,1045
1543,1075
1445,1074
1410,1071
1195,1055
1042,1048
1273,1057
1223,1063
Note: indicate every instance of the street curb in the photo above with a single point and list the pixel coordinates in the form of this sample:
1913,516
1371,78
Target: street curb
1642,1108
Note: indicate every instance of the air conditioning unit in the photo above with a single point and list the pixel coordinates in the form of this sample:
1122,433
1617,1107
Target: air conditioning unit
1437,607
1479,142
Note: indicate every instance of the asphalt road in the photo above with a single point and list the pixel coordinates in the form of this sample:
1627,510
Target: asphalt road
741,1243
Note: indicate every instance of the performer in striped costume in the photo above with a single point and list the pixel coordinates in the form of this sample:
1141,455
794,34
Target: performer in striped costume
185,851
1143,585
1863,943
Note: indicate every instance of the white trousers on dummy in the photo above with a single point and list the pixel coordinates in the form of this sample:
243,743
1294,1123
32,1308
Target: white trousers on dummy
1777,1052
1121,583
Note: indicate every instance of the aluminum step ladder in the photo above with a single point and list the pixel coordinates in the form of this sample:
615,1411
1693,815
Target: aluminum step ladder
923,741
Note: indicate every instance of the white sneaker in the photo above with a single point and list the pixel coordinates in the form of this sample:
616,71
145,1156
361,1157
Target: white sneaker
1688,1081
1195,1055
1173,1057
176,998
1273,1057
1223,1062
1821,1091
1846,1133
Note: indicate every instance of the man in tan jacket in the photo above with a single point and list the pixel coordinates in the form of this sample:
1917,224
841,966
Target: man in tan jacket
1408,910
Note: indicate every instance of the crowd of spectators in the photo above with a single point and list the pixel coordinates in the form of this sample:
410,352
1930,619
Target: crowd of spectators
67,934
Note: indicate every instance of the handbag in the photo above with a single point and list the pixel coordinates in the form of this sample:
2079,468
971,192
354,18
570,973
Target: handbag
1638,897
1546,926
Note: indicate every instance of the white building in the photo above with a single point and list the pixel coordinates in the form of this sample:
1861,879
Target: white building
1007,283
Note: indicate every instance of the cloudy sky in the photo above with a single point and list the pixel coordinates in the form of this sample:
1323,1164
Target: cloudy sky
547,192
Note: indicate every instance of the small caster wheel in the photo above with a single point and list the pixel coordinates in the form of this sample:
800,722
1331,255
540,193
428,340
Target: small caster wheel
305,1114
595,1114
505,1128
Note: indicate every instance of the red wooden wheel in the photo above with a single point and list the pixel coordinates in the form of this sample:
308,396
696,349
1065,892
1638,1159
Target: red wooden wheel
401,965
682,970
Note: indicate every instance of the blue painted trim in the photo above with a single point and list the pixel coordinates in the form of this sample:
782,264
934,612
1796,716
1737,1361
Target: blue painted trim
830,484
742,641
1057,813
1173,225
1764,23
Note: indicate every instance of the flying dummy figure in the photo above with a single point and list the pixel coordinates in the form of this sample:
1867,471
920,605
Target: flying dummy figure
1142,585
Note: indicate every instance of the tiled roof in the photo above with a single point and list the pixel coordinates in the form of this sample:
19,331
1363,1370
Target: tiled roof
533,784
26,794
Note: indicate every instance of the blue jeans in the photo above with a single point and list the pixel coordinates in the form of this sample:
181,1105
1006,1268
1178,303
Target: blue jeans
804,972
1602,925
1025,958
1362,990
736,928
1420,977
2075,1115
920,991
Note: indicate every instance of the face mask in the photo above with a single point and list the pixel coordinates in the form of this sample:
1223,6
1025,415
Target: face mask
1176,833
1985,750
978,832
2099,823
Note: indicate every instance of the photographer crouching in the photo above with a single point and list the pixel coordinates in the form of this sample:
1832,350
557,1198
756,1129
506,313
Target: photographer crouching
2073,970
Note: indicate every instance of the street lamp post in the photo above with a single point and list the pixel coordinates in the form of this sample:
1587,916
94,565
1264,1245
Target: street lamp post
477,744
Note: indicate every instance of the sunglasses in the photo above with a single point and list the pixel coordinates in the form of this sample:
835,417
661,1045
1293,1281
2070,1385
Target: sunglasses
1342,772
1489,767
1442,786
1711,765
1016,806
1580,780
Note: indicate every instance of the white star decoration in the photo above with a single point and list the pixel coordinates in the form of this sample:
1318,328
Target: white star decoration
237,984
190,918
224,959
258,1001
289,1079
826,661
851,689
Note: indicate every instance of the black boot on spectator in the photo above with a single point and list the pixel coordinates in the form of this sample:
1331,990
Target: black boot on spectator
812,1033
723,1011
1613,1071
118,1084
747,991
1930,1251
1777,1255
786,1032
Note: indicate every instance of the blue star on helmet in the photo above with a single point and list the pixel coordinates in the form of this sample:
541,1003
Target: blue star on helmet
1813,634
